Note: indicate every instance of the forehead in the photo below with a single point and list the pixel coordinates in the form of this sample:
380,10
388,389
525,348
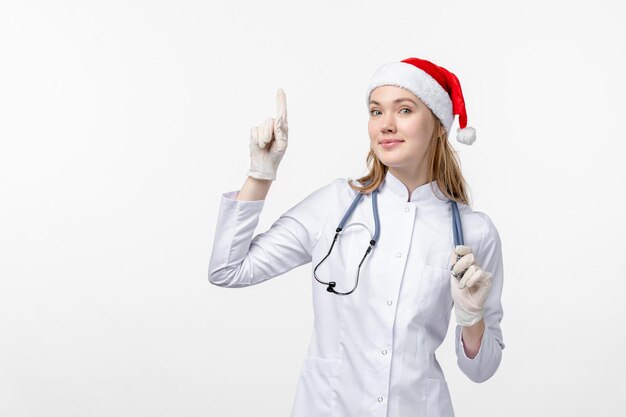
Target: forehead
391,94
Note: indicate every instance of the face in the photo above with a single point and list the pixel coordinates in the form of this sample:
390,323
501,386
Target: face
395,113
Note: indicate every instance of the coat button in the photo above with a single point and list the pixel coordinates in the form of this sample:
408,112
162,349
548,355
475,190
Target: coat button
407,209
389,302
380,399
399,254
384,351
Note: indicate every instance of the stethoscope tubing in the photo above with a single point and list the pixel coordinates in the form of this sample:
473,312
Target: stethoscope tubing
457,231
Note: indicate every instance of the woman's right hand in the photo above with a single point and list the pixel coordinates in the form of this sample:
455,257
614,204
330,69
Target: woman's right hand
268,142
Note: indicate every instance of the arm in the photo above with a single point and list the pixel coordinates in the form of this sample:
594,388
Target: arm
240,259
254,189
485,337
471,336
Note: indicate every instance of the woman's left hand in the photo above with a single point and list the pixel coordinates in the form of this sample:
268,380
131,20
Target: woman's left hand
470,291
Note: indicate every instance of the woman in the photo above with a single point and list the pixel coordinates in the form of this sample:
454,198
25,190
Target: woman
381,309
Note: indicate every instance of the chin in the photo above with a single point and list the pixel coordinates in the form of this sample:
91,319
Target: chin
391,162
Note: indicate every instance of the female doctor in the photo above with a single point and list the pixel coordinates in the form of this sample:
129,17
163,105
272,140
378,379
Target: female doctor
385,256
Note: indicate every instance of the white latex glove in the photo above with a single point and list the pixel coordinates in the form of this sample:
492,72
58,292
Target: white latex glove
470,291
268,142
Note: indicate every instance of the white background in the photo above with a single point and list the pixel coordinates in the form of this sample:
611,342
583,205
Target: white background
123,122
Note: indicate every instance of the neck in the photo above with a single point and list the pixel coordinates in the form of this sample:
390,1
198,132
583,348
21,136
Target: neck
411,179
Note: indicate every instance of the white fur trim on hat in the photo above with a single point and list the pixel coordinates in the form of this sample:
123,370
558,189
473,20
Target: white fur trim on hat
418,82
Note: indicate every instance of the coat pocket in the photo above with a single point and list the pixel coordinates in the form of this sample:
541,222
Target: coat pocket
436,296
440,259
315,391
438,401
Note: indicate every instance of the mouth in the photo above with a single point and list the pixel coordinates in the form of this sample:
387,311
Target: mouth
387,143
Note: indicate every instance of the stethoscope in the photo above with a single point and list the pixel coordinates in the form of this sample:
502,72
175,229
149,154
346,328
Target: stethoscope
456,229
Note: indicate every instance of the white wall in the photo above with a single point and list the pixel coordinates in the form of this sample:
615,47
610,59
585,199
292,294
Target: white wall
121,123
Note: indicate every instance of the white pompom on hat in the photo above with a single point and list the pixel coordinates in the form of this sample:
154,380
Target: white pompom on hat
438,88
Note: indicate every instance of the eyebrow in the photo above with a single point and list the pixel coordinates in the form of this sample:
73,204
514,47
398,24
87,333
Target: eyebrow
395,101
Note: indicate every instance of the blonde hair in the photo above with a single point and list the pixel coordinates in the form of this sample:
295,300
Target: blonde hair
443,166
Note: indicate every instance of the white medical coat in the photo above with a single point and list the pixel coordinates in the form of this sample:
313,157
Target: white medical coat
371,353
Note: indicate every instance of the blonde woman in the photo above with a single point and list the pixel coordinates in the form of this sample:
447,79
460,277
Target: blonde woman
386,271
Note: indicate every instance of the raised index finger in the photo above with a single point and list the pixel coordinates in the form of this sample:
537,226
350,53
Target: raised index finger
281,105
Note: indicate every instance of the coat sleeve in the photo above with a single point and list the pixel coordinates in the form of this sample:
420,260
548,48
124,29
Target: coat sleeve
240,259
487,361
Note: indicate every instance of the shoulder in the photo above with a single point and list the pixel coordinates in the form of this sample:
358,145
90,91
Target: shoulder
313,212
479,229
339,188
323,197
334,189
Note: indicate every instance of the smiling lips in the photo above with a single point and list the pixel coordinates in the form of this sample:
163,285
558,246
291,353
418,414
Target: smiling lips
388,143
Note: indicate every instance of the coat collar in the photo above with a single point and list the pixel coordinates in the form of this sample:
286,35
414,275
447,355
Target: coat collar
421,194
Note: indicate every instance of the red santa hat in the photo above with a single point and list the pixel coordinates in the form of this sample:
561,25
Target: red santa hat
438,88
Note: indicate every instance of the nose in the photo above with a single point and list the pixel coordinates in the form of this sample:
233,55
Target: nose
388,123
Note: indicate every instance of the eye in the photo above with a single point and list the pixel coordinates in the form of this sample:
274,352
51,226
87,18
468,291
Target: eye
371,111
406,108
